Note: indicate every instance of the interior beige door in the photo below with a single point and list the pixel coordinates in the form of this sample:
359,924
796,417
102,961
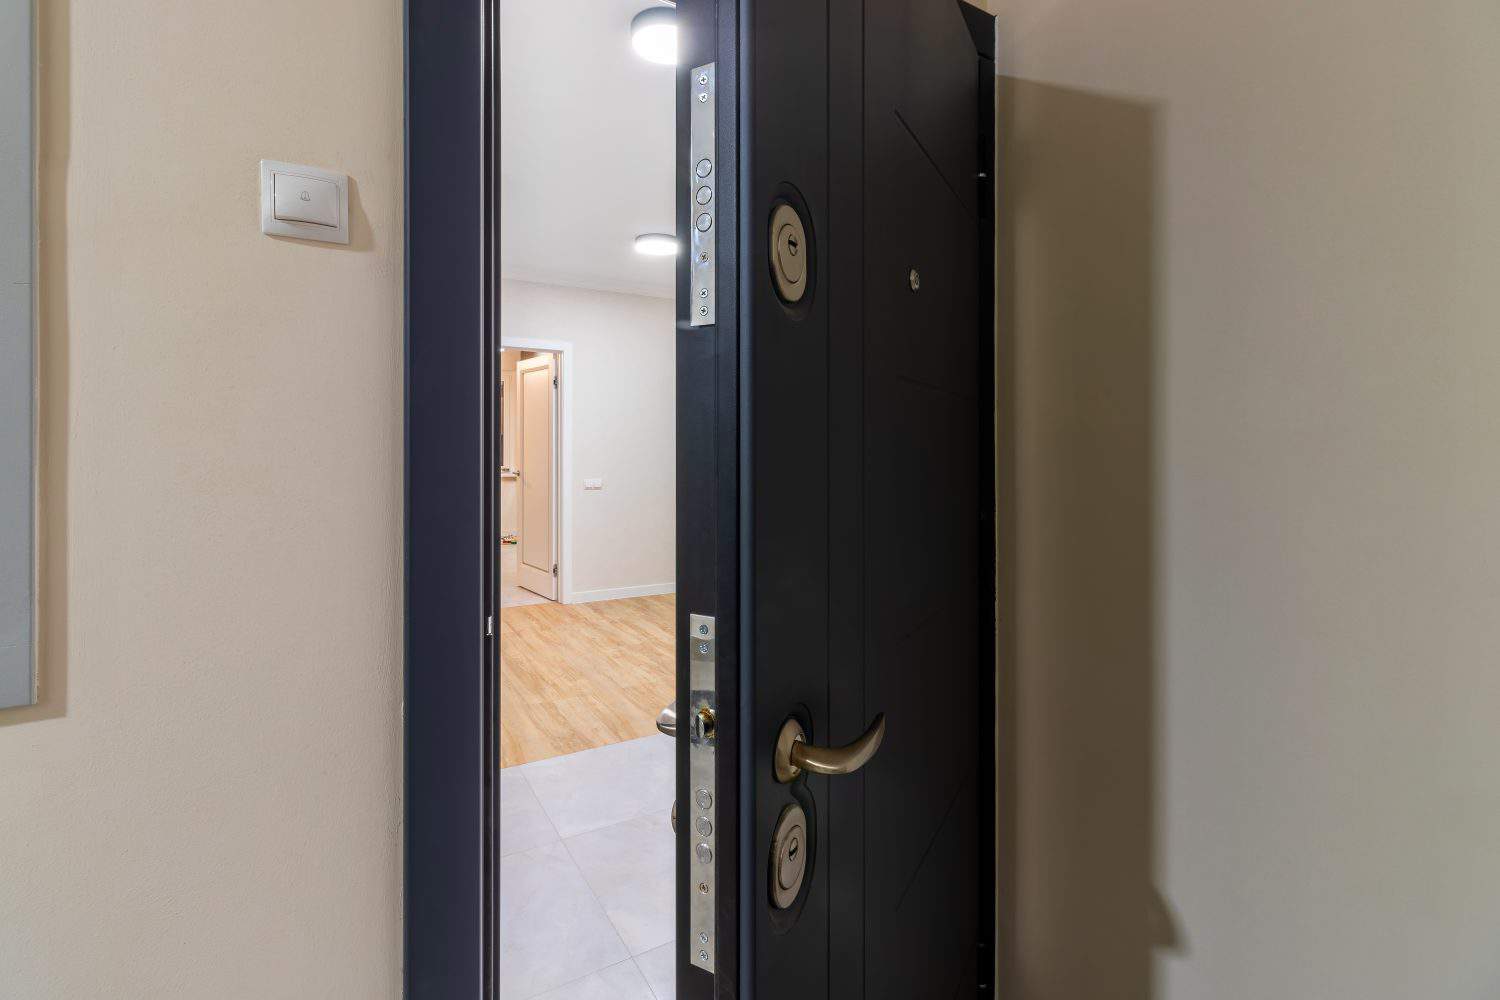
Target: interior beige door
537,523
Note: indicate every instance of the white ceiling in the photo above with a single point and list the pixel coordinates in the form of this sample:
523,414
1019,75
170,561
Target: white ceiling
587,141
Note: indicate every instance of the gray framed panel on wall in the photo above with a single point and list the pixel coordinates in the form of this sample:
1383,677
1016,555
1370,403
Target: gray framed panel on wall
17,356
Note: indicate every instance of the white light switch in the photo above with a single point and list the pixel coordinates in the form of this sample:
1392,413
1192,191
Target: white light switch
306,199
304,202
593,485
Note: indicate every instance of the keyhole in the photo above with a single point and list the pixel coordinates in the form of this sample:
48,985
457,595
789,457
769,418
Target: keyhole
791,851
790,254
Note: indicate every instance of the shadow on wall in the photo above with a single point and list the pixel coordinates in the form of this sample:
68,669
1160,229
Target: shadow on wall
54,87
1079,916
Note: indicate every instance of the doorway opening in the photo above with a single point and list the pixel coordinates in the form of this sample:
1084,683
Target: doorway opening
586,489
544,879
531,436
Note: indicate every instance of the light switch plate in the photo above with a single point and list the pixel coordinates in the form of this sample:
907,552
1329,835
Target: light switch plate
593,485
304,180
299,198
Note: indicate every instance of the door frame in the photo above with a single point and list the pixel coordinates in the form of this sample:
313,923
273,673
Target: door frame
451,828
451,793
562,457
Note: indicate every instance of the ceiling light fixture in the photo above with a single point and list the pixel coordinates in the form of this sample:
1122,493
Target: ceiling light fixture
653,34
656,245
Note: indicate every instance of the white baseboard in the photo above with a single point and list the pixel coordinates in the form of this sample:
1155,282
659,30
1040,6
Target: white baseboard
618,593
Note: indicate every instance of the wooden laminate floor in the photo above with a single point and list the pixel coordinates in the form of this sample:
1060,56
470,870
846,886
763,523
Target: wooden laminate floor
576,676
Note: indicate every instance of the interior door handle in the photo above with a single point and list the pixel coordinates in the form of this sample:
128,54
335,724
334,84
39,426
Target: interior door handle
795,755
666,724
666,721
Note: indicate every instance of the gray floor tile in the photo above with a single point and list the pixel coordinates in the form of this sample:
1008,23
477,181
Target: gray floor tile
618,982
630,868
552,929
523,823
660,969
600,787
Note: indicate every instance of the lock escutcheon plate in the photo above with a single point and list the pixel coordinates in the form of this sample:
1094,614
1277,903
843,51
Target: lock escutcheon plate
789,252
789,850
702,736
702,232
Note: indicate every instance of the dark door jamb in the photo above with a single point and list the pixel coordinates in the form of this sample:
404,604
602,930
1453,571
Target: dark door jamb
451,712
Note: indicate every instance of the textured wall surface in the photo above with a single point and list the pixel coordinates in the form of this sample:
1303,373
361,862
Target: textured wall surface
17,367
1249,269
205,803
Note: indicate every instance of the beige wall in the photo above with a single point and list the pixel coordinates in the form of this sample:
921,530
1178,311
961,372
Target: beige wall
1250,362
206,802
1251,459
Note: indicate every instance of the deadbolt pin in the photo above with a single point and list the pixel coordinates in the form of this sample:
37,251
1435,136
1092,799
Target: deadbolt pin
705,723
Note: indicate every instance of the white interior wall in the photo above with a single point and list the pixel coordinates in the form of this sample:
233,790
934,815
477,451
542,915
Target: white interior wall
618,425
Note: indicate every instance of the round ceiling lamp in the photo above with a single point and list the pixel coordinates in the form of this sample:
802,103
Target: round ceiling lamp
656,245
653,35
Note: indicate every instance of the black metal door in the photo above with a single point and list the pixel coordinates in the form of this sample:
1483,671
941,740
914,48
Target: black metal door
836,498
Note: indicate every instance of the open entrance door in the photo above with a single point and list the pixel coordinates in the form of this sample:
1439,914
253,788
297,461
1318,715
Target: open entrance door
834,500
836,503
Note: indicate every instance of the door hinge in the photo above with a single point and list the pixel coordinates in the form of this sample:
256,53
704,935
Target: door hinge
489,626
554,569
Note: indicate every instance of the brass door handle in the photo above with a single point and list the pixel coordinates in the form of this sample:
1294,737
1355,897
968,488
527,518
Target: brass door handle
795,755
666,721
